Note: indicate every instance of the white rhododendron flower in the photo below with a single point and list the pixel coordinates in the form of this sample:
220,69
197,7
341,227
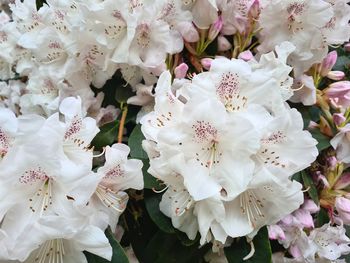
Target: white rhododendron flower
220,146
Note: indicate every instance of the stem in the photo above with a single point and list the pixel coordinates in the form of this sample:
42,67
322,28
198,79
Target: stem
122,123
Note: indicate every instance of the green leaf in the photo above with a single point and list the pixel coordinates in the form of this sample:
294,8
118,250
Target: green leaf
323,140
162,221
123,93
239,249
150,181
166,248
322,217
185,240
308,183
107,135
135,143
118,255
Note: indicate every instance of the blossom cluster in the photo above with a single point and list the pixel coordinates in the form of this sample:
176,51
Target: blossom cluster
242,122
53,205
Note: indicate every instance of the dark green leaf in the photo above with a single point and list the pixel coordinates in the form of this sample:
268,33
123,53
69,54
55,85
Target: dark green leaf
185,240
135,143
239,249
123,93
308,183
323,140
166,248
107,135
162,221
343,63
118,255
322,218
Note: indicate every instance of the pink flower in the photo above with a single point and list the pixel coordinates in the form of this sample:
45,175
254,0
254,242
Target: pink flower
339,93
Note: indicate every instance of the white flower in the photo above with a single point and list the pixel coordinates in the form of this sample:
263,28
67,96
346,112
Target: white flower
299,22
330,242
62,239
117,174
8,130
220,144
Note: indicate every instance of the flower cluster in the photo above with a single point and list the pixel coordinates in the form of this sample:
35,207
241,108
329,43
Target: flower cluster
217,142
53,206
239,111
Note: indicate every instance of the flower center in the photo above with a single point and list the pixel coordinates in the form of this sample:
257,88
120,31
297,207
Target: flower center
251,207
112,199
51,251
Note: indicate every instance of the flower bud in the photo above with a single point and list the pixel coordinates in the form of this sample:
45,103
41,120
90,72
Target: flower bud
343,208
246,55
328,63
332,162
188,31
339,93
338,118
215,29
181,71
325,128
336,75
206,63
223,44
254,10
276,232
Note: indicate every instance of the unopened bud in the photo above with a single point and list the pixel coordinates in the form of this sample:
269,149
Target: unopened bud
181,71
338,118
336,75
223,44
325,128
246,55
347,47
206,63
215,29
328,63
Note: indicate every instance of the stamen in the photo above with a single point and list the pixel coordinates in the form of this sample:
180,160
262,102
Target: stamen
112,199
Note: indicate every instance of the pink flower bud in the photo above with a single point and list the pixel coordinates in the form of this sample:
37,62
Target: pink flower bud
254,10
338,118
343,208
343,182
215,29
310,206
328,63
181,71
336,75
347,47
206,63
188,31
223,44
304,217
332,162
246,55
339,93
276,232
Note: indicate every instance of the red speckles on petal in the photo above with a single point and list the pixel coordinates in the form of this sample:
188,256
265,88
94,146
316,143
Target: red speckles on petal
4,143
33,175
274,138
114,172
204,131
228,86
74,127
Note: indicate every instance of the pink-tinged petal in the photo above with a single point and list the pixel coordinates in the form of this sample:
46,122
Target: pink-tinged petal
343,181
336,75
276,232
304,217
223,44
246,55
206,63
338,118
343,208
310,206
